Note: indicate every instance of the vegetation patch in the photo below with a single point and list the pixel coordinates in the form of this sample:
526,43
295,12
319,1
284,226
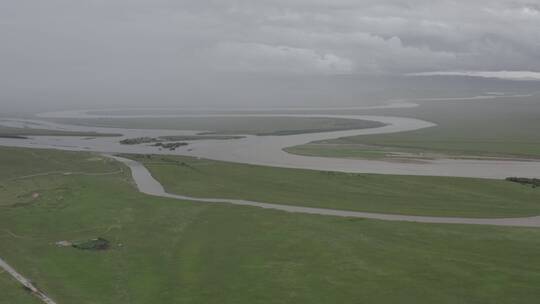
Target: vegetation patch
93,244
21,133
200,136
158,142
138,140
413,195
161,139
171,146
234,125
13,136
535,182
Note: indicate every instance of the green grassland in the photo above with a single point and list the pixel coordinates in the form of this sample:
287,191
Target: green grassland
8,131
234,125
496,128
417,195
12,292
171,251
340,149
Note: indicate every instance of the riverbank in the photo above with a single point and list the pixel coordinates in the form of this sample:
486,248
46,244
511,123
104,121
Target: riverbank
268,150
432,195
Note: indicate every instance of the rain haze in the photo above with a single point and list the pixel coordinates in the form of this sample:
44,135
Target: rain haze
85,54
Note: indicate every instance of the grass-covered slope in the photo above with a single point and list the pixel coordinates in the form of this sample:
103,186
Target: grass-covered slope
170,251
416,195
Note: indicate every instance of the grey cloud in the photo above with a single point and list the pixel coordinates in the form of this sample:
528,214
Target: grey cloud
375,36
257,57
115,45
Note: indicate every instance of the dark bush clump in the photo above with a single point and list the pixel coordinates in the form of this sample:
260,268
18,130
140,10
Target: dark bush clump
535,182
94,244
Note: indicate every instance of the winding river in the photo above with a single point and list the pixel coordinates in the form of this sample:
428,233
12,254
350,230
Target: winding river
146,183
268,150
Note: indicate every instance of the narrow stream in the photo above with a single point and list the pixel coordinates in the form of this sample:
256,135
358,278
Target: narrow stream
147,184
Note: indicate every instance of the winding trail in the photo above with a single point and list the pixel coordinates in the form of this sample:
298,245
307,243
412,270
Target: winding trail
25,282
147,184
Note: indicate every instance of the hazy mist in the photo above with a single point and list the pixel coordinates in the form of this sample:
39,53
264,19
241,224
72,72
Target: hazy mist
62,53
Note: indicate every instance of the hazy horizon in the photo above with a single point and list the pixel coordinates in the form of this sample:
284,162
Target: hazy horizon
64,54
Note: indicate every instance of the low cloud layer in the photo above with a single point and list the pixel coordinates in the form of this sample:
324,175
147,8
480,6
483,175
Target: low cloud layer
110,44
301,36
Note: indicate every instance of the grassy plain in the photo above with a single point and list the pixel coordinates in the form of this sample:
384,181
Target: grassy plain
339,149
506,127
12,292
170,251
417,195
234,125
8,131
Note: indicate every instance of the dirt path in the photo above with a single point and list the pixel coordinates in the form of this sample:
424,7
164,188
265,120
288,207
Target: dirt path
25,282
147,184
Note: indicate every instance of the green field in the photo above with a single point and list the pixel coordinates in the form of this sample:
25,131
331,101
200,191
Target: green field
8,131
234,125
341,149
12,292
416,195
170,251
497,128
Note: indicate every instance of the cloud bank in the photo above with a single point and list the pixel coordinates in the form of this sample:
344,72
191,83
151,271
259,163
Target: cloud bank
60,49
293,36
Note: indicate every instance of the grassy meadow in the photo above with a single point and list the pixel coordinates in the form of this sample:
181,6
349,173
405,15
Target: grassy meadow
171,251
506,127
234,125
9,132
12,292
415,195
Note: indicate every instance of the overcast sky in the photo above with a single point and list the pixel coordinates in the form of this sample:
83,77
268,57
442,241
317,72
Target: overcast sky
49,45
